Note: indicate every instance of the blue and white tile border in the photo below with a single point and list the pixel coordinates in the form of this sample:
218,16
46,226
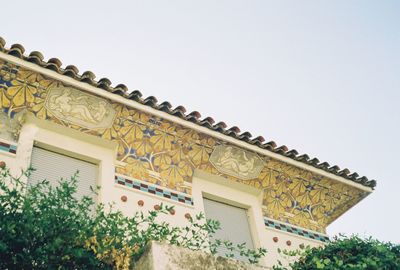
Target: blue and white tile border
153,189
269,223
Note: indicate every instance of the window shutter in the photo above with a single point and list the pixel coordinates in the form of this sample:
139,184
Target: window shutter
234,225
53,166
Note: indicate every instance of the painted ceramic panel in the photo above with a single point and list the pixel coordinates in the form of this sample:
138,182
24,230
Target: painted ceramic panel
236,162
74,106
10,127
163,153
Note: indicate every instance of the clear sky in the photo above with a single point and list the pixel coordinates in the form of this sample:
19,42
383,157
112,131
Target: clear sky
322,77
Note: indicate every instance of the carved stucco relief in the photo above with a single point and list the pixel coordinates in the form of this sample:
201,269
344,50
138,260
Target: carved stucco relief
11,127
236,162
79,108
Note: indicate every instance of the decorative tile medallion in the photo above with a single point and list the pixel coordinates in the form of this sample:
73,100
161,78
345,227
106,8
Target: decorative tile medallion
236,162
290,229
9,148
153,189
79,108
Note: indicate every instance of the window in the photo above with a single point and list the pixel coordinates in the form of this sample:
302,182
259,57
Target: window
234,224
53,166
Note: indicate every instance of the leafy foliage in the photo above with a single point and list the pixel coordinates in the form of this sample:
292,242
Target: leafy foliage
347,253
46,227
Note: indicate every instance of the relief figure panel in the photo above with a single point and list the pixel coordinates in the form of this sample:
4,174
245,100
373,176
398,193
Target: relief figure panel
236,162
79,108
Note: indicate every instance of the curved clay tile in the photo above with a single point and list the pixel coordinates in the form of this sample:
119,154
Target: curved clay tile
193,117
303,158
314,161
208,120
104,83
334,169
121,87
180,108
135,95
71,71
245,136
281,149
370,183
344,172
150,101
353,176
324,165
195,114
88,77
235,129
269,145
16,50
179,111
259,139
220,126
55,61
35,57
165,107
291,153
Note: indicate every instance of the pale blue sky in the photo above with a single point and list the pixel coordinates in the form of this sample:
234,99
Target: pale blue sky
322,77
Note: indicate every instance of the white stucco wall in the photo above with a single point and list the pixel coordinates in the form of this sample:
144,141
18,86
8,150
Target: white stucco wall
73,143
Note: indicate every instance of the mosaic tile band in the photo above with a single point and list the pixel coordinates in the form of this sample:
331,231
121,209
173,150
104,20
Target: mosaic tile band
9,148
286,228
153,189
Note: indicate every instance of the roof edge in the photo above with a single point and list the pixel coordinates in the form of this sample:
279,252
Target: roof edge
280,154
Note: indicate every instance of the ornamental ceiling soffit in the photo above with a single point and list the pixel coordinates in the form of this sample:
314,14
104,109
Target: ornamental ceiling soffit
74,106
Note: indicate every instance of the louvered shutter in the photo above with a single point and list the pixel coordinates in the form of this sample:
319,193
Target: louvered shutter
53,166
234,225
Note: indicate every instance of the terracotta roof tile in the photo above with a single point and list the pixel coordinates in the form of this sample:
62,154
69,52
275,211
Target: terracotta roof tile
179,111
165,106
135,95
207,122
36,57
71,71
150,101
291,153
269,145
303,158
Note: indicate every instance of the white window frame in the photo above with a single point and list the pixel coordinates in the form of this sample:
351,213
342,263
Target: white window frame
227,191
69,142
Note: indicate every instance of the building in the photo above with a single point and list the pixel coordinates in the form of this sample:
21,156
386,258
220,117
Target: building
142,153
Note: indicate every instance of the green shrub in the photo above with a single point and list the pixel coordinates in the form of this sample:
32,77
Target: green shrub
348,253
45,227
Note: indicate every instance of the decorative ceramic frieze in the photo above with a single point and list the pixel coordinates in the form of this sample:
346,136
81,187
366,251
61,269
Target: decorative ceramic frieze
236,162
75,106
8,148
290,229
153,189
